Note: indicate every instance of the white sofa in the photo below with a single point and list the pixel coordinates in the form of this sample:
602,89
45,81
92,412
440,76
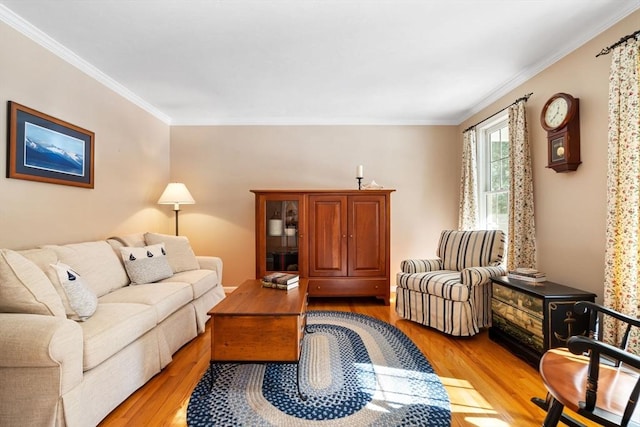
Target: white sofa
55,371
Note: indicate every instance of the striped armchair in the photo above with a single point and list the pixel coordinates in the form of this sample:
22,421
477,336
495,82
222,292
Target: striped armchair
453,292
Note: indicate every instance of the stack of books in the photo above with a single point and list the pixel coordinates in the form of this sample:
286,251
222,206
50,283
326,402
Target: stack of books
284,281
527,275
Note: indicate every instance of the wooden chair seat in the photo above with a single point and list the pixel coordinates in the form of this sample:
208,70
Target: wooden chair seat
597,380
565,376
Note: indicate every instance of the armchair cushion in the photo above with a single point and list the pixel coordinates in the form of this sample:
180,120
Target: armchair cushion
462,249
444,284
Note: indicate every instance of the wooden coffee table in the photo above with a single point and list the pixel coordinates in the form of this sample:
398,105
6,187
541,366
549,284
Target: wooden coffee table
256,324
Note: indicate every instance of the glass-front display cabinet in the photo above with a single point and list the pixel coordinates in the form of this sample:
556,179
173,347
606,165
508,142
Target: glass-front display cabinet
279,232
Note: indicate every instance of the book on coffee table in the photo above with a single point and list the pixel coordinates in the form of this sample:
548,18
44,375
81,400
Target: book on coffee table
287,279
280,281
286,287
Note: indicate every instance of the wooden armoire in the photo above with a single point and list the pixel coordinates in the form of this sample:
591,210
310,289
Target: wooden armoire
339,239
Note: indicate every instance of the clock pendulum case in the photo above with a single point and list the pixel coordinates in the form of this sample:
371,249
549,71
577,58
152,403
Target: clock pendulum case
561,119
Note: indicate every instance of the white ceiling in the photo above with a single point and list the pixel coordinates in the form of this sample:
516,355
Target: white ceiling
313,62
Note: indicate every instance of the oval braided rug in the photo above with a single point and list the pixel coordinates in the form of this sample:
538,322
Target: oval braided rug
355,371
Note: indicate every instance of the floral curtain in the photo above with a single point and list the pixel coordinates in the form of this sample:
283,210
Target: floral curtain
468,212
622,253
521,247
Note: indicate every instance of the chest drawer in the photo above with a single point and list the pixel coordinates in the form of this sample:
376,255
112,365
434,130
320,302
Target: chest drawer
519,315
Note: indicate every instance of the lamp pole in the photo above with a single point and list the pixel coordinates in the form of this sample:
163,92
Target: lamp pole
176,208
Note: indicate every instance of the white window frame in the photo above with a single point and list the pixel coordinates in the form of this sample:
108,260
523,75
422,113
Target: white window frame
484,170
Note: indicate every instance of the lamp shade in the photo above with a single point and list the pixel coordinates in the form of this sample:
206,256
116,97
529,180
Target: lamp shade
176,193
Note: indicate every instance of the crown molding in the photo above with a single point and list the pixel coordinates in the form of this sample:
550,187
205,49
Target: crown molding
587,35
27,29
33,33
308,122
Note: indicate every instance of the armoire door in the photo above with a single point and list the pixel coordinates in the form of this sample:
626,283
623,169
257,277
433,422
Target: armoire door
367,235
327,235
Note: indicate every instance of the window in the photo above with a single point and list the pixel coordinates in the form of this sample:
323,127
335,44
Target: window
493,174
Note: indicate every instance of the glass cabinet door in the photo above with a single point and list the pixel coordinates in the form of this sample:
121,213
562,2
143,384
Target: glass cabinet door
281,240
280,225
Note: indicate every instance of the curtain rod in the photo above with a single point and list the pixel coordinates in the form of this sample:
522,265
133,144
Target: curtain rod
522,98
606,50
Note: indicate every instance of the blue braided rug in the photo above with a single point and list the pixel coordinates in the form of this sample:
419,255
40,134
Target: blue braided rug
355,371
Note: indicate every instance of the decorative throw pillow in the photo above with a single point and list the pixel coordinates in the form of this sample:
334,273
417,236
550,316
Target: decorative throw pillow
179,252
147,264
82,299
24,288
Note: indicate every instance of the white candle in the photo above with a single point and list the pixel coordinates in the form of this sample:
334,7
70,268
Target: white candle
360,171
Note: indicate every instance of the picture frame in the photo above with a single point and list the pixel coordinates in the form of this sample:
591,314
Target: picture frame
46,149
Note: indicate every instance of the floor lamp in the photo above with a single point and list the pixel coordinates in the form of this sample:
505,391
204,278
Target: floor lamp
176,194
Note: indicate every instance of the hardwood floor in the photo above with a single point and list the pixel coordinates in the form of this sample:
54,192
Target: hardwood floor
487,385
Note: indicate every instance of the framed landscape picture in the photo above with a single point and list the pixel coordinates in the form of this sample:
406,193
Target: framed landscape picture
43,148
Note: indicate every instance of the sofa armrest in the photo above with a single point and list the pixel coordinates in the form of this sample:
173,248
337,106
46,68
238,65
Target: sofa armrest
420,265
48,347
211,263
475,276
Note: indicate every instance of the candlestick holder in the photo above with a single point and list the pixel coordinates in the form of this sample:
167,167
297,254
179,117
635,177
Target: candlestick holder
359,178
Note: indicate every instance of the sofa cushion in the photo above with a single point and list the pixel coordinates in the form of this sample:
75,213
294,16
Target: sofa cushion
96,262
147,264
43,258
166,298
201,281
82,300
135,240
179,253
112,328
24,288
444,283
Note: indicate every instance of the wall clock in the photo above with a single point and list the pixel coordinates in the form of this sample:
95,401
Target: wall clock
561,119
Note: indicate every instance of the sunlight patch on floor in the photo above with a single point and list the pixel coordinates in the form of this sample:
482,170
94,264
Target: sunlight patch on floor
393,388
466,399
180,419
486,422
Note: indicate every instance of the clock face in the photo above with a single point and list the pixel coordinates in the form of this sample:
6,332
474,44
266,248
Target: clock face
556,112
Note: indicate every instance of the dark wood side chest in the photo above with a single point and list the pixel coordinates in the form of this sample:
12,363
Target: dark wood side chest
530,318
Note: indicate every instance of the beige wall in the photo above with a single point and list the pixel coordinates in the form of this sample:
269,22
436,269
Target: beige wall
570,208
220,164
131,154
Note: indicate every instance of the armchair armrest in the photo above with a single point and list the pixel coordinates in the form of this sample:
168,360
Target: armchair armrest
420,265
474,276
211,263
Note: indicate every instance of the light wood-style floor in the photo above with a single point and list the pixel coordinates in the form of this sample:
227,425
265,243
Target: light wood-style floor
487,385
